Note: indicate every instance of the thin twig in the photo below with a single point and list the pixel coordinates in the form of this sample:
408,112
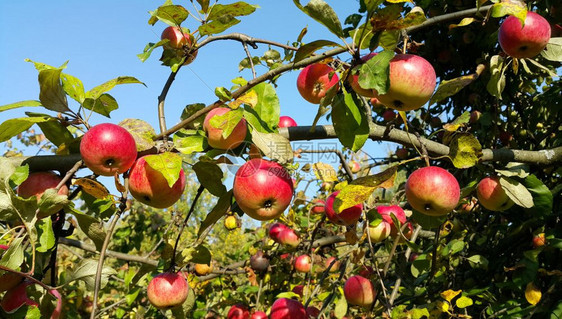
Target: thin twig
191,209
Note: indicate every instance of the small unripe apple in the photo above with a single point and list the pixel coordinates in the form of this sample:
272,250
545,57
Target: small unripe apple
150,187
526,41
353,80
37,183
167,290
108,149
359,291
315,80
539,240
230,222
16,297
303,263
215,134
286,121
288,237
348,216
238,311
203,269
259,315
432,191
275,229
285,308
262,189
355,167
318,206
259,262
491,194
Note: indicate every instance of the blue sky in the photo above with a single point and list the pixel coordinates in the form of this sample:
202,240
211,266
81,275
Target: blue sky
102,38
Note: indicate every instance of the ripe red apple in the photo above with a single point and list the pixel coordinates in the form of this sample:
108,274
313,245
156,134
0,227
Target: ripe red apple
108,149
275,229
524,41
355,167
303,263
334,267
288,237
491,195
412,82
387,211
259,262
37,183
353,80
388,115
380,232
299,290
539,240
263,189
315,80
259,315
469,205
8,280
318,206
286,121
432,191
238,311
150,187
230,222
16,297
214,134
203,269
359,291
285,308
312,312
366,271
167,290
348,216
178,39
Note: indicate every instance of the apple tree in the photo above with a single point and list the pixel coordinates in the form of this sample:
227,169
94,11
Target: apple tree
224,215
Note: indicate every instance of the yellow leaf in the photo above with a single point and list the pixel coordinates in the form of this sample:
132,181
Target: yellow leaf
443,306
450,294
92,187
532,294
325,172
464,22
249,98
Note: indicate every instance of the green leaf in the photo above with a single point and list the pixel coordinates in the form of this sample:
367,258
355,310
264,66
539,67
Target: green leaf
362,35
142,132
42,66
191,109
204,5
223,94
54,131
13,127
542,196
341,308
274,146
222,17
13,257
86,271
190,141
168,164
264,116
502,9
453,247
220,209
132,296
465,150
28,103
51,202
73,87
92,227
102,105
419,265
464,302
389,39
553,50
149,48
374,74
96,92
46,235
199,255
372,5
20,174
517,192
451,87
497,81
227,122
51,94
210,176
478,261
428,222
306,50
350,122
512,169
322,13
172,15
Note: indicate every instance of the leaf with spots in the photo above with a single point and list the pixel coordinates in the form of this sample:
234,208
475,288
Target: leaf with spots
465,150
362,188
142,132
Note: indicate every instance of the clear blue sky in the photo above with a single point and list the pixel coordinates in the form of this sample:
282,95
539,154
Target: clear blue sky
102,38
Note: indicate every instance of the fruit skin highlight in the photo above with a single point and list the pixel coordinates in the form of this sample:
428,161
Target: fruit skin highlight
432,191
359,291
524,41
315,80
167,290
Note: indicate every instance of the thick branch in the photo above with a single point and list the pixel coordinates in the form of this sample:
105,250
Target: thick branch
448,17
109,253
244,39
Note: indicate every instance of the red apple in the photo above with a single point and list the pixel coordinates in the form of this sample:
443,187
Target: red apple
387,211
16,297
287,309
167,290
299,290
238,311
286,121
539,240
333,267
203,269
8,280
150,187
37,183
275,229
259,262
303,263
355,167
259,315
468,205
353,79
475,116
432,191
288,237
505,138
491,195
318,206
366,271
326,186
263,189
215,134
348,216
108,149
315,80
388,115
359,291
312,312
230,222
178,39
412,82
380,232
526,41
